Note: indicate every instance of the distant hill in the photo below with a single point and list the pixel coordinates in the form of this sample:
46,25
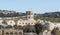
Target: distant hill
6,13
50,15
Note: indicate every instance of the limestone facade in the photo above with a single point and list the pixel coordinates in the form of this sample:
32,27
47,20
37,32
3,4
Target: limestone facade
11,32
21,22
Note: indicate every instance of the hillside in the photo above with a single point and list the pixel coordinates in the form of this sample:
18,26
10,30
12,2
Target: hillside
6,13
51,16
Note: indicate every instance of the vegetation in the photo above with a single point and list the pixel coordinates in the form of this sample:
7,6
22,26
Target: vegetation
51,16
17,27
39,28
9,26
54,31
9,15
47,19
1,27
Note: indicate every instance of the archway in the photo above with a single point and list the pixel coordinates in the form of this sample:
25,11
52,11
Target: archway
7,33
11,33
20,33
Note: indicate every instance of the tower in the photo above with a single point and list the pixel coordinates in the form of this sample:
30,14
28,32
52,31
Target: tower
29,15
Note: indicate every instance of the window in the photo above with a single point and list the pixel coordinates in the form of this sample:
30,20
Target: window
26,23
31,23
23,23
29,17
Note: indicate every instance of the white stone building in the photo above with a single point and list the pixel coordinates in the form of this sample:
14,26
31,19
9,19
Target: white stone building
26,22
7,22
29,19
11,22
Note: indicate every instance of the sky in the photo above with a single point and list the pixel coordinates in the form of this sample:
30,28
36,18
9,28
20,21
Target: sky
36,6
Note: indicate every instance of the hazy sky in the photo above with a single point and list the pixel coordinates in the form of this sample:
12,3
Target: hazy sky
37,6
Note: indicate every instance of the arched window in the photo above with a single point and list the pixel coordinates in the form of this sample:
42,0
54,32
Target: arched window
7,33
31,23
23,23
20,33
11,33
15,33
26,23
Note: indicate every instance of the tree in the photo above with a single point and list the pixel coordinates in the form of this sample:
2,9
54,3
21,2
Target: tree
17,27
39,28
9,26
1,26
54,31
